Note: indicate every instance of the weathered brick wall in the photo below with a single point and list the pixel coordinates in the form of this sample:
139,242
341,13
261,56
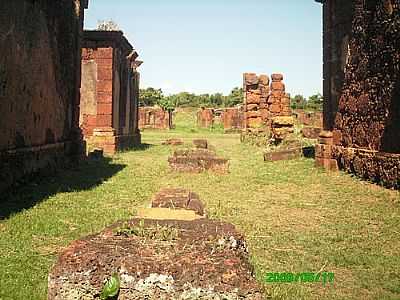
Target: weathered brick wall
109,94
233,118
264,101
366,124
154,118
39,85
205,117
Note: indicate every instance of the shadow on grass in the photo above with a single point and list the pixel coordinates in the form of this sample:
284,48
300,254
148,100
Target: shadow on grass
87,175
142,147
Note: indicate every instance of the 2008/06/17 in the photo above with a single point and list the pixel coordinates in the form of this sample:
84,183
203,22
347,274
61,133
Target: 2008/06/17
300,277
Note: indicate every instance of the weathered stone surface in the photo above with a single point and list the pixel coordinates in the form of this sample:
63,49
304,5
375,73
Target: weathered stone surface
158,259
155,117
205,117
173,142
311,132
277,77
200,143
283,154
283,121
39,87
361,87
233,118
198,160
178,198
264,101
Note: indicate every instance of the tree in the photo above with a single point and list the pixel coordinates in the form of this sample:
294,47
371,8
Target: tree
234,98
107,25
298,102
315,102
150,96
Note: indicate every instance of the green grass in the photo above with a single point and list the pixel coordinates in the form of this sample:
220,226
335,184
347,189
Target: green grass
296,218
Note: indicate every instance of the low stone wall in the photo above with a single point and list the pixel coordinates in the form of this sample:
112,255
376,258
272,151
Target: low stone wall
154,118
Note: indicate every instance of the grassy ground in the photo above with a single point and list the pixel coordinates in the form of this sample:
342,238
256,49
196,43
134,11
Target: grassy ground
296,218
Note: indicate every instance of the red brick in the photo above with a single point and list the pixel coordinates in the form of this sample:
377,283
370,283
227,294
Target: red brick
104,74
104,97
104,86
106,53
104,121
253,98
104,108
275,108
277,86
90,120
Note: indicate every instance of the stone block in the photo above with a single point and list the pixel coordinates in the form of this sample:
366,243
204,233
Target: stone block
283,121
323,151
311,132
255,122
283,154
327,164
277,77
200,143
277,86
201,259
178,198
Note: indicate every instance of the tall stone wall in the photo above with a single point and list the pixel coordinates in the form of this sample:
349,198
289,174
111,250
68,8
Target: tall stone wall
264,100
109,94
39,85
365,127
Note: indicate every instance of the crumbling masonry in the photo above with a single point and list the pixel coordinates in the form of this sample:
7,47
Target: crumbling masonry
362,89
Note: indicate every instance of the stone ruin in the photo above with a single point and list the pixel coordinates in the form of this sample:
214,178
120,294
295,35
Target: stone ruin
109,92
178,198
39,87
155,117
312,122
159,258
263,102
362,89
205,117
198,159
233,119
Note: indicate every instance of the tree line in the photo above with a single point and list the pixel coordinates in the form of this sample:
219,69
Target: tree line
151,96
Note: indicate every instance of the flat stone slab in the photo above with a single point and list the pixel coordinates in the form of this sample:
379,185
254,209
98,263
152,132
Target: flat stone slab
159,213
157,259
200,143
173,142
178,198
283,154
198,160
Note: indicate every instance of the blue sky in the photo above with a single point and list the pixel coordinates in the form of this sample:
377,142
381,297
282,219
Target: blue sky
204,46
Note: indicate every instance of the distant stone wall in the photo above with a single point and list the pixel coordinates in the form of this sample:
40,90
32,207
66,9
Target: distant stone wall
233,119
109,94
154,118
362,89
264,101
205,117
39,86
